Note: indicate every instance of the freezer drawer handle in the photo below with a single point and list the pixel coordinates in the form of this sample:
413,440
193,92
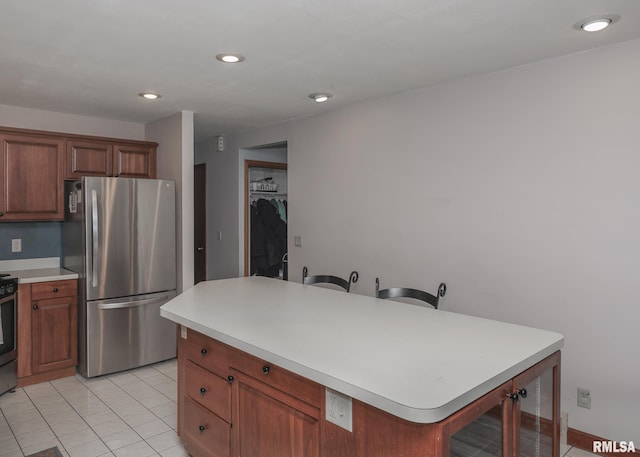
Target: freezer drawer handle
131,304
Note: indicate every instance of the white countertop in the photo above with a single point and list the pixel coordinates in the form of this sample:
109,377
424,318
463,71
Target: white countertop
416,363
36,270
42,274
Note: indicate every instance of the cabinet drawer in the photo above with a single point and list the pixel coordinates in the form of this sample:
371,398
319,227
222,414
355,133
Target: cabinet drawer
208,389
54,289
204,433
217,357
278,378
208,353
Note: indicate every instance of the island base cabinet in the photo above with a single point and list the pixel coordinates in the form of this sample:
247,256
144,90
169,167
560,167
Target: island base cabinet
276,413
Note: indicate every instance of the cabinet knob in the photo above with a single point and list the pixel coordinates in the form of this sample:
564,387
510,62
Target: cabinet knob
35,307
522,392
202,428
55,289
110,175
116,175
203,351
266,369
1,213
203,390
513,396
230,379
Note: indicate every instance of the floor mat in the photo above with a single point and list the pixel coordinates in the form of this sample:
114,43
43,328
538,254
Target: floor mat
51,452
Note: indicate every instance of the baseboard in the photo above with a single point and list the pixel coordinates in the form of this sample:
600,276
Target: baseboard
585,441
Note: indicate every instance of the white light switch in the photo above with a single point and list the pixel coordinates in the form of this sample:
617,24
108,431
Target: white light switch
297,241
16,245
338,407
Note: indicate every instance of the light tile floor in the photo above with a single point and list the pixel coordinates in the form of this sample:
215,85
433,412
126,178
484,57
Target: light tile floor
128,414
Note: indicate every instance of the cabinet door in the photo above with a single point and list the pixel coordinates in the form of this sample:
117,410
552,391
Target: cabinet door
269,423
482,429
31,182
54,327
133,161
88,158
536,412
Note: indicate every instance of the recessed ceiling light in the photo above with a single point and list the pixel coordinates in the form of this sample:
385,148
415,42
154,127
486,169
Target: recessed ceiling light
149,95
320,98
596,25
230,58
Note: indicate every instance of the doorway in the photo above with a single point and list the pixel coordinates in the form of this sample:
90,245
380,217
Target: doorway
200,222
265,185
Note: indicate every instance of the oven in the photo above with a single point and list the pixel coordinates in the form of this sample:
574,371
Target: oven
8,334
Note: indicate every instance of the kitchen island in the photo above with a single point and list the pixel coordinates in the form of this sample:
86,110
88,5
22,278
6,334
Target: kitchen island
269,367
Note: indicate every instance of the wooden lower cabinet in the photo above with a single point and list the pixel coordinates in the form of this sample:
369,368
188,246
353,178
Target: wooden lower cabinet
271,423
233,404
47,331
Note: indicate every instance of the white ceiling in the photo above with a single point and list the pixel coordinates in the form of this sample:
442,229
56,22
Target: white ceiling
94,57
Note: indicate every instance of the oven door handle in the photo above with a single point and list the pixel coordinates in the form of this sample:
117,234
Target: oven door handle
8,298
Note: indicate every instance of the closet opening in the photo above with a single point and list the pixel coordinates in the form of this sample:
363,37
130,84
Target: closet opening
265,213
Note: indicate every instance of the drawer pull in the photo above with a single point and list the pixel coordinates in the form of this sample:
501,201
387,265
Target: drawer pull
203,351
202,428
230,379
203,390
55,289
266,369
35,307
523,393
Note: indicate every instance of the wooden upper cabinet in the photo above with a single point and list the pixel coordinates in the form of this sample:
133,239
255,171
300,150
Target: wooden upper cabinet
99,158
88,158
31,182
134,161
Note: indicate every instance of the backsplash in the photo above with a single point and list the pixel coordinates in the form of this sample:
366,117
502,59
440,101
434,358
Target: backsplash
39,239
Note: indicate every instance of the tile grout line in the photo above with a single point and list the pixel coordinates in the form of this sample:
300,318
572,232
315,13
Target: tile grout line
62,393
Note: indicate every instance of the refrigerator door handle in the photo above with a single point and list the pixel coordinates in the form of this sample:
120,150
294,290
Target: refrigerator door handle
131,304
94,238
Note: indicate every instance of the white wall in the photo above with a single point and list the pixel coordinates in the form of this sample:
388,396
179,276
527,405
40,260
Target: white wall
175,161
519,189
26,118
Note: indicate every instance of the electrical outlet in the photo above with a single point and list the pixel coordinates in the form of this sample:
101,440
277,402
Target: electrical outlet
16,245
338,407
183,332
584,398
297,241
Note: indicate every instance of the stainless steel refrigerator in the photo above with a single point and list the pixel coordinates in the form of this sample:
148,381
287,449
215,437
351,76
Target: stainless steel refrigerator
119,235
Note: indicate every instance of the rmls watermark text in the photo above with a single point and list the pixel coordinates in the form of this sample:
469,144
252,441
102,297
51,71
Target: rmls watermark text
613,446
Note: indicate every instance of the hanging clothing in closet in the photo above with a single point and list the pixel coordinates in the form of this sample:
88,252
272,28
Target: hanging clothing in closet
268,238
